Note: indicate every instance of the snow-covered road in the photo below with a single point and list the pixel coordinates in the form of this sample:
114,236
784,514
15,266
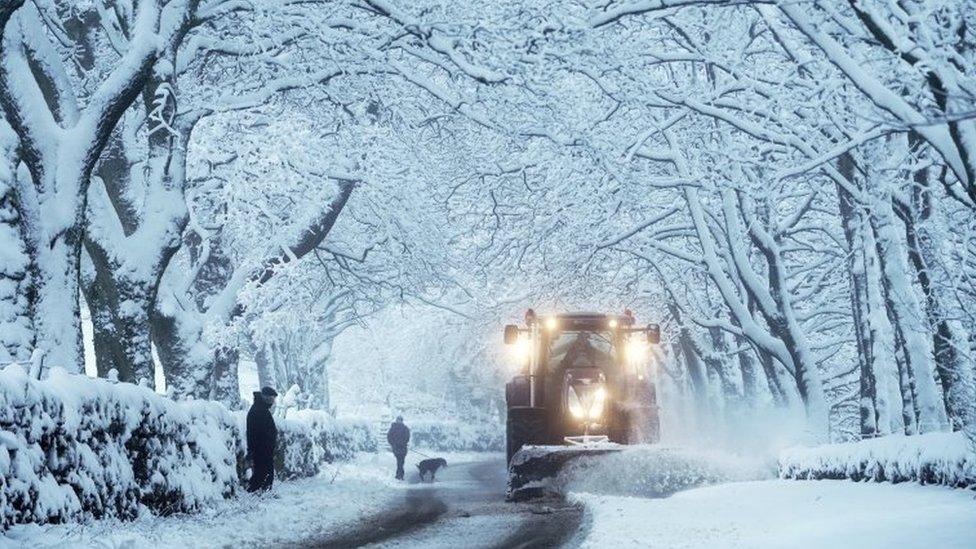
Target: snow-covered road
361,506
464,508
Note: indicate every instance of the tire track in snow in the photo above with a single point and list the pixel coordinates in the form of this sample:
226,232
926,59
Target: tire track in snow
467,509
421,507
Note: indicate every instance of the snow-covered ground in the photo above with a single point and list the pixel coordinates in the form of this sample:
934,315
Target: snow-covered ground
781,513
354,499
294,511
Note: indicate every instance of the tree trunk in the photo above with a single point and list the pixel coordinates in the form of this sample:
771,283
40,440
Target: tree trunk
906,386
695,371
951,367
907,314
129,258
886,364
57,315
749,370
314,381
698,378
730,378
60,145
120,309
777,309
784,394
954,371
280,359
870,423
185,360
264,363
225,384
17,270
189,363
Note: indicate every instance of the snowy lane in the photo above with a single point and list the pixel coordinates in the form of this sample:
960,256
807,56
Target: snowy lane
358,504
464,508
363,506
780,513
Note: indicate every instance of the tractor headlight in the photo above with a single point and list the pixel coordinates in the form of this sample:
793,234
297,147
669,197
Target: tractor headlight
599,398
575,405
586,401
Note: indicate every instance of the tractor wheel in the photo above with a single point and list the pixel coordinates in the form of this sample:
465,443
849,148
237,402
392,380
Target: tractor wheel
525,426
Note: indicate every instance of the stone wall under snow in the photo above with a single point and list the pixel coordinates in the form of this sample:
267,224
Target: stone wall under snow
78,448
934,458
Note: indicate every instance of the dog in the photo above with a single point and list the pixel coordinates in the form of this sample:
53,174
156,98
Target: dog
430,466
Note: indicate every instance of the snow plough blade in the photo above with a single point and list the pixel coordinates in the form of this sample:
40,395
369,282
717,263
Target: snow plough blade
534,471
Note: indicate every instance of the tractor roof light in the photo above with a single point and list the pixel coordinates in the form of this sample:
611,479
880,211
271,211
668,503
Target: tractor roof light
636,351
552,323
522,351
612,323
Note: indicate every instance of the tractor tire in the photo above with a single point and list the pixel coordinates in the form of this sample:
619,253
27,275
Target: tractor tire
525,426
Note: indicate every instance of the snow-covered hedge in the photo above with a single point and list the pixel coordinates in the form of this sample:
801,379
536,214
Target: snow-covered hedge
454,436
72,447
933,458
77,448
307,439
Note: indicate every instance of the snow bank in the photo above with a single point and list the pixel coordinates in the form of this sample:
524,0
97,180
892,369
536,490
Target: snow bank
659,471
455,436
77,448
781,513
932,458
646,471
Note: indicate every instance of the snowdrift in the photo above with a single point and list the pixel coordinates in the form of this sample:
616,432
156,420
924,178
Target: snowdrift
933,458
77,448
647,471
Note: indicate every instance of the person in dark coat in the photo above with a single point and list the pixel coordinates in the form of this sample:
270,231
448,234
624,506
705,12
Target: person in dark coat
398,436
262,437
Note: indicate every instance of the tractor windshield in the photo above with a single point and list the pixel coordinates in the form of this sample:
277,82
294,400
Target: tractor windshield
580,349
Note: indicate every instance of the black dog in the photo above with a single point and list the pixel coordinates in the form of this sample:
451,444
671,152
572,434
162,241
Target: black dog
431,466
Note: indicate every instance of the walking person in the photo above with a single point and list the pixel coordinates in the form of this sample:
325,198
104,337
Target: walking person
262,438
398,436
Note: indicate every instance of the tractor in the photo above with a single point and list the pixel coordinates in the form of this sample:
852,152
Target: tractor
582,389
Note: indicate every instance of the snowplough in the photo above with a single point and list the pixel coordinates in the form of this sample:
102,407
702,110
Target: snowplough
582,390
